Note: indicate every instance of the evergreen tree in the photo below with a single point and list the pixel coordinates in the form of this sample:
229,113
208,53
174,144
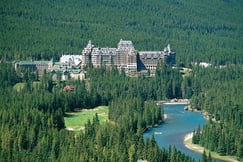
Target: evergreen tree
204,157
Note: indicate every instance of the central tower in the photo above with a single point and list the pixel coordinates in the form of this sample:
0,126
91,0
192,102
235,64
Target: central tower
126,56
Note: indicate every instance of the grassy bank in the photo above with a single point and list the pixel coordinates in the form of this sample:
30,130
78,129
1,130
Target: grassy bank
197,148
76,120
20,86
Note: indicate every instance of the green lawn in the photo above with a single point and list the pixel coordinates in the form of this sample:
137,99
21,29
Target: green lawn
19,86
77,120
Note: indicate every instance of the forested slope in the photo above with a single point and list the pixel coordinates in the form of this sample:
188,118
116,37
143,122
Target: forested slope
32,118
32,128
220,93
198,31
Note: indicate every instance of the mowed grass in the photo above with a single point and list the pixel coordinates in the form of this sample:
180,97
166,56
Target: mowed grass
19,86
76,120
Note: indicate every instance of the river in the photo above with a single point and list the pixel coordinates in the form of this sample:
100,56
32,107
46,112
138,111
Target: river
179,122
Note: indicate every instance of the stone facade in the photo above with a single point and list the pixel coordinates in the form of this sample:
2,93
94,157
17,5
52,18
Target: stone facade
148,60
126,57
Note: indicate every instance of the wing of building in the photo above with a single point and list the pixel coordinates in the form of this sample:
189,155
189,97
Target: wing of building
39,66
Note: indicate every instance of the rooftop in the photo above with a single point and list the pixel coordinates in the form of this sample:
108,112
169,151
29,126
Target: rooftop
32,62
125,44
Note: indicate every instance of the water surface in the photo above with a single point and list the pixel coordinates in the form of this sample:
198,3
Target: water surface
179,122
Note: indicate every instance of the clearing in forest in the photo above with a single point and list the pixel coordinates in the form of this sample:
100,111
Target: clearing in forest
76,121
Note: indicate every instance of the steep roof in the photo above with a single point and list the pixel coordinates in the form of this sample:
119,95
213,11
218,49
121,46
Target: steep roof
125,44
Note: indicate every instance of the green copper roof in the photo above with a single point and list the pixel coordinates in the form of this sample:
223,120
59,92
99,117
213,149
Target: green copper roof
32,62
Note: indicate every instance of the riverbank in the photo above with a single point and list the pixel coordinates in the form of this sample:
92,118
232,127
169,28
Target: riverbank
178,122
197,148
173,102
205,114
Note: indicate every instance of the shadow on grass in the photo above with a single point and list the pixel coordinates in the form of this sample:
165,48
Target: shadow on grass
69,115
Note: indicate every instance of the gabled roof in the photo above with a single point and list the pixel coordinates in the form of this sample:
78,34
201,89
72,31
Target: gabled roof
125,44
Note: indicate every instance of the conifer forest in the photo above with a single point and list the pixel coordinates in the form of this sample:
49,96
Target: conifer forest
33,106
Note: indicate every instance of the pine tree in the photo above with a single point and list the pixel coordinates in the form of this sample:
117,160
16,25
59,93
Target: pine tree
204,157
209,157
131,153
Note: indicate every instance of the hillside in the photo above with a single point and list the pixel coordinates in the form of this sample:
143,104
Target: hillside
210,31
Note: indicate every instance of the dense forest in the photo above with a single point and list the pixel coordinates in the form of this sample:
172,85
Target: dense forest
32,117
221,97
209,31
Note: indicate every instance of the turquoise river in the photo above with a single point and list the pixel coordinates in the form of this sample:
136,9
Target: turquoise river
179,122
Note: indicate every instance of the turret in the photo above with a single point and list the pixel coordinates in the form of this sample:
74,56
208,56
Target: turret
86,53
